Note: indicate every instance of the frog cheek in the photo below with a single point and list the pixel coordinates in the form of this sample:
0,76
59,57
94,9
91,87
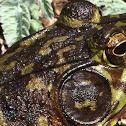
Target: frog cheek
84,97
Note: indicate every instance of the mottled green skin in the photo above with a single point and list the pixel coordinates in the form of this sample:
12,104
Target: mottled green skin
34,69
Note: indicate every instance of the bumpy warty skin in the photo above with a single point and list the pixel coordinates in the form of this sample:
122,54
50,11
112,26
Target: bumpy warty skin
72,73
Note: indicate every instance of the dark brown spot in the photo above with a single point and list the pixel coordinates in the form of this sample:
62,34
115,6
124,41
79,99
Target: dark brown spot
115,74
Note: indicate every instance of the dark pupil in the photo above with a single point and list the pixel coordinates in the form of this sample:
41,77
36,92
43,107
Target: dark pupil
121,49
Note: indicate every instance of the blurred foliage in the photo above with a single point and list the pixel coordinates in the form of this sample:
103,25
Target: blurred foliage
20,18
110,7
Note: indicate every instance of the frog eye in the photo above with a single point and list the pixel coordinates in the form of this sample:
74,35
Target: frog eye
116,49
112,41
78,12
120,49
84,97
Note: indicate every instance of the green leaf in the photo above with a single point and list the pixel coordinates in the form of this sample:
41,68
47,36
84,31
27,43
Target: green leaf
15,20
34,7
111,7
35,12
27,2
35,26
46,8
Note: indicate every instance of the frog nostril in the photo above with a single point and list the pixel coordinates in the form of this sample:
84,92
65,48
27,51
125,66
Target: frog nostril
120,49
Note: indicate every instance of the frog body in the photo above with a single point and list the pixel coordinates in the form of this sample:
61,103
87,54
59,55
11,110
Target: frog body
63,75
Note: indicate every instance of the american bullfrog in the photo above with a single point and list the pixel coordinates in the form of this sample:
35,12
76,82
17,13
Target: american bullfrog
72,73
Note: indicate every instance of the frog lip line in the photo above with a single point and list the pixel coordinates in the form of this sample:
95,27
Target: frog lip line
64,75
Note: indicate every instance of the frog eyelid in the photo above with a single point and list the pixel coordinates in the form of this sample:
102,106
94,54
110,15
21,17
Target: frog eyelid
113,31
106,60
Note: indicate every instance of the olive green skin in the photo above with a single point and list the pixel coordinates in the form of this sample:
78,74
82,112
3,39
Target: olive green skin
33,70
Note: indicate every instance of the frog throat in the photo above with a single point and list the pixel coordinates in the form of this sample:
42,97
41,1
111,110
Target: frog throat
75,23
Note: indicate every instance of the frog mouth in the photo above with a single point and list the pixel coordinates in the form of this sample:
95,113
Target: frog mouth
120,49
